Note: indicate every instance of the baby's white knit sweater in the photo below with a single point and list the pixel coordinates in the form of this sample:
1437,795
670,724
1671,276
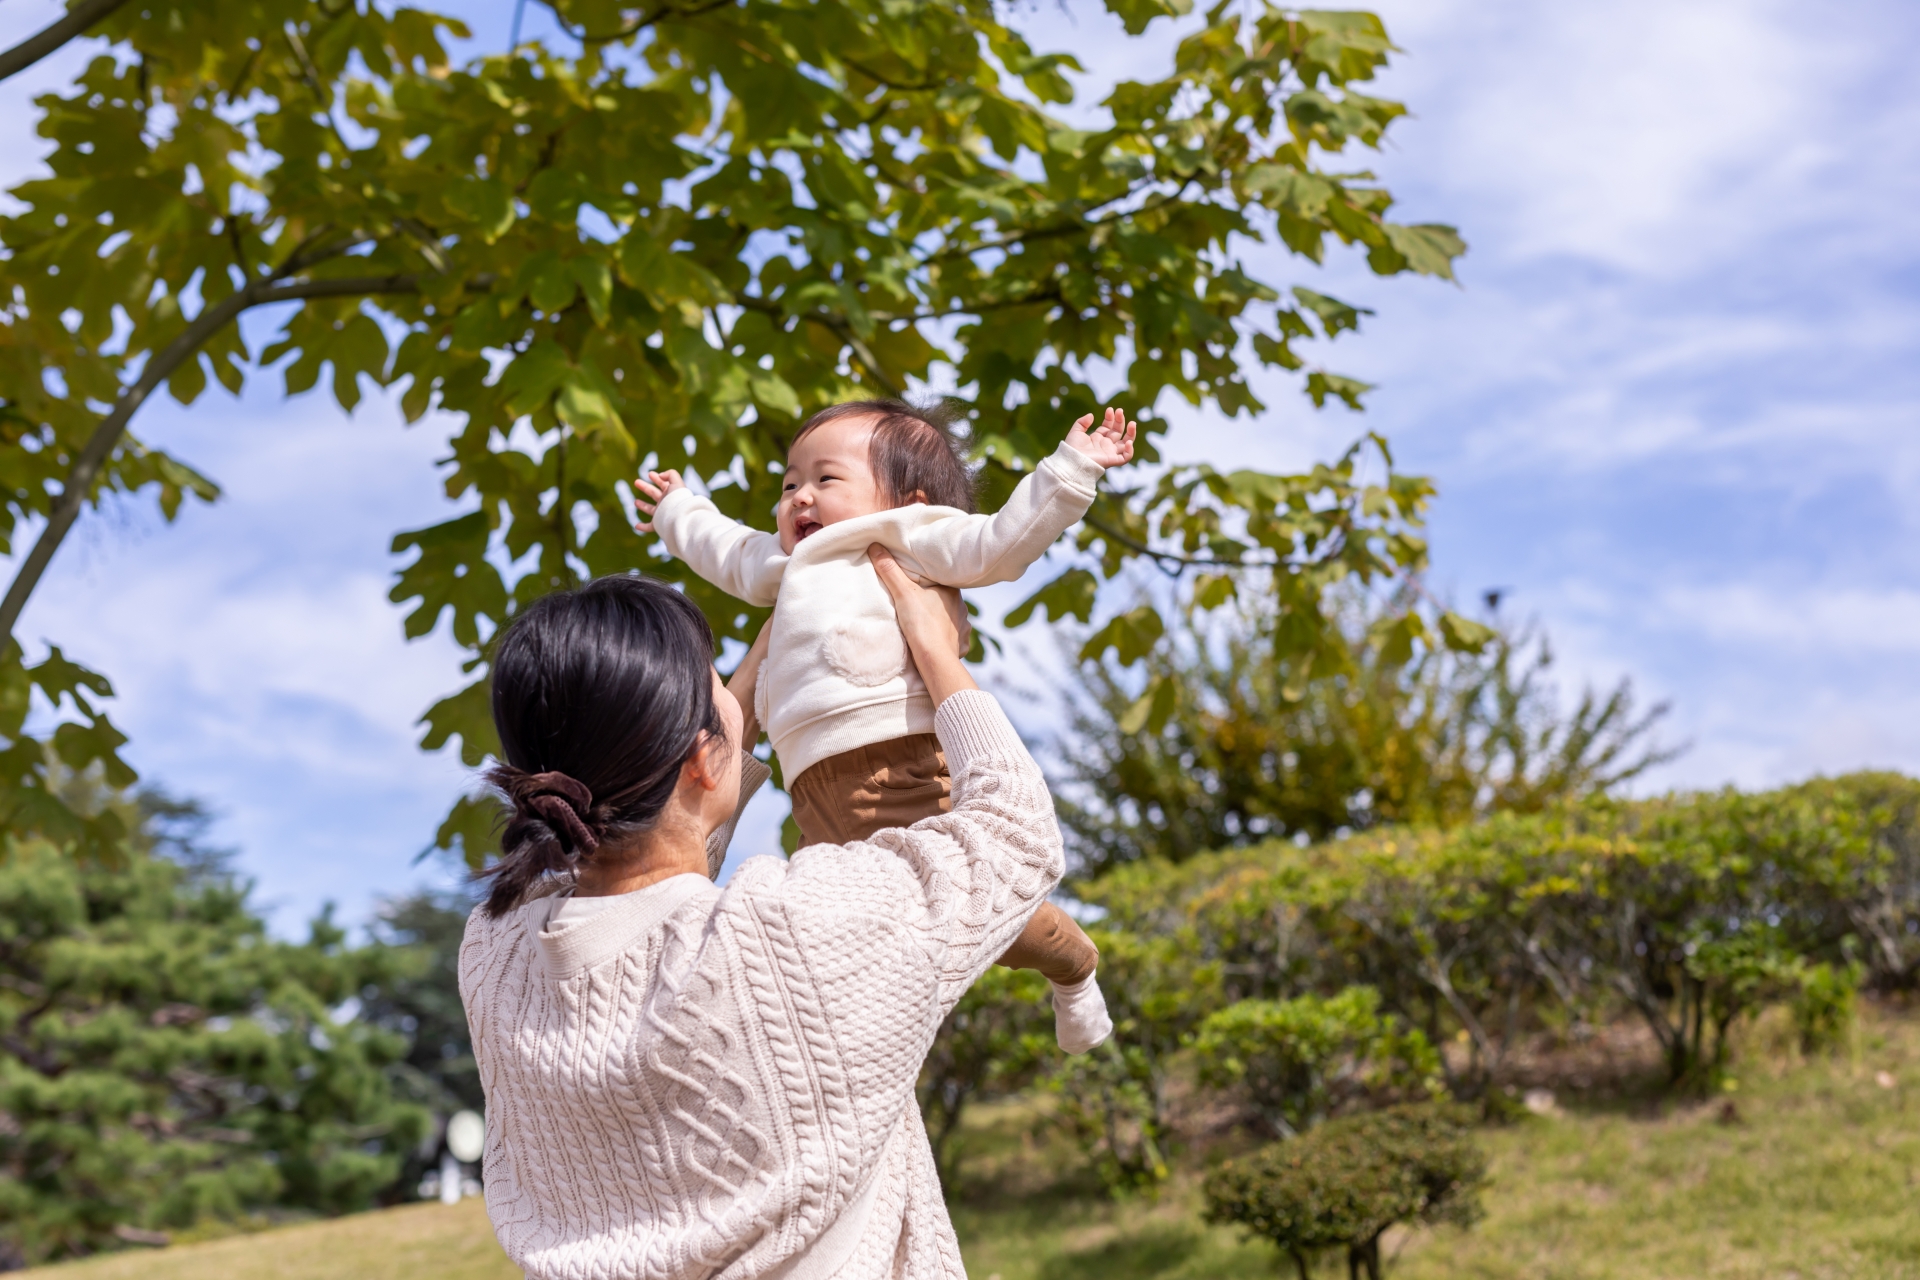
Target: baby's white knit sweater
837,674
704,1084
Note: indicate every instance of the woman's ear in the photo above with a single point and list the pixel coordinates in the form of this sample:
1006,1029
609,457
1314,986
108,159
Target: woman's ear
919,496
707,765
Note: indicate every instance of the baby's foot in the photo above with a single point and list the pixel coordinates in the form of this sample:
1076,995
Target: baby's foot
1080,1019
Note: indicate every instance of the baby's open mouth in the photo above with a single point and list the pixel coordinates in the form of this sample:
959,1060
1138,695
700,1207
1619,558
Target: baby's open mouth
803,526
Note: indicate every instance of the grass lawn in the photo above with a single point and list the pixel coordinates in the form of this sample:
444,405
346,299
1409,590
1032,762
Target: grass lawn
1815,1174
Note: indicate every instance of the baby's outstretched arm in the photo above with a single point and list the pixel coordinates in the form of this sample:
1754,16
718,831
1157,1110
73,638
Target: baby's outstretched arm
1110,444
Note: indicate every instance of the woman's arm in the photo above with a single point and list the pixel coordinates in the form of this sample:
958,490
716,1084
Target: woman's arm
965,882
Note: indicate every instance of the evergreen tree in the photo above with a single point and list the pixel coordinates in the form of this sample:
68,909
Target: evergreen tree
163,1059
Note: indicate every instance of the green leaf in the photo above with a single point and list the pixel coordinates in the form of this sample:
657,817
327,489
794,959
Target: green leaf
1464,635
1347,390
1153,708
1131,636
595,279
1136,14
484,203
1071,595
1428,248
1211,590
1335,315
770,391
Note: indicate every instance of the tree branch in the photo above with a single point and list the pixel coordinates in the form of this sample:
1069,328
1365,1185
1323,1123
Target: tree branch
85,470
1165,558
44,42
638,25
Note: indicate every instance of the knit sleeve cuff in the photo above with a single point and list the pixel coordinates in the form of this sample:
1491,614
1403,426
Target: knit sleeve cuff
1076,469
972,727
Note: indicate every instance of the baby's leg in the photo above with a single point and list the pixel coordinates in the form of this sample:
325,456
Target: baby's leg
1052,943
850,796
1061,949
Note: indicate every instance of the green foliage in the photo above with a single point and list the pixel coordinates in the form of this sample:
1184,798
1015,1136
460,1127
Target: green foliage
1688,912
1302,1060
674,243
33,804
1111,1105
162,1059
423,1003
1344,1184
1113,1101
1240,738
422,1006
997,1040
1826,1005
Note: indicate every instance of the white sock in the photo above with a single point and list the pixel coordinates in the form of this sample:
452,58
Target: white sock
1080,1019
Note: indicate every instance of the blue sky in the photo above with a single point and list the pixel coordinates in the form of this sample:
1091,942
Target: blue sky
1671,408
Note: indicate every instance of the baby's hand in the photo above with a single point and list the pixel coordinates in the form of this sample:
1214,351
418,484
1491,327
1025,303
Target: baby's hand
656,485
1110,444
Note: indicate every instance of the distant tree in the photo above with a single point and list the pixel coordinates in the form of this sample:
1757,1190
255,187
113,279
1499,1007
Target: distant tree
997,1041
1255,742
423,1005
163,1059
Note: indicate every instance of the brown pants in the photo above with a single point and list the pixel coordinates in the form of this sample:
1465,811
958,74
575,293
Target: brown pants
850,796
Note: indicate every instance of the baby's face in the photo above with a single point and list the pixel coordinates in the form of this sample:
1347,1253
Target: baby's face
829,478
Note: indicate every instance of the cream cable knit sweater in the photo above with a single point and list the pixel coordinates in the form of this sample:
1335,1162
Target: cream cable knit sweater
697,1082
836,674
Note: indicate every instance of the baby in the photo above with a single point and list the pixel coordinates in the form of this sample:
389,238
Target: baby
848,716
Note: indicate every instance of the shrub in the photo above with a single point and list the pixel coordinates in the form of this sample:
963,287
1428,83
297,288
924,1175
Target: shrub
1303,1060
996,1040
1345,1183
1687,911
1110,1104
1824,1009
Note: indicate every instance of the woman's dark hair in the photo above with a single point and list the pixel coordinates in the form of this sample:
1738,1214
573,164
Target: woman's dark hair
913,448
599,696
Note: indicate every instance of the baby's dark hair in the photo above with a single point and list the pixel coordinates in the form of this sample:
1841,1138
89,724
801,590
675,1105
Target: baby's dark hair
913,448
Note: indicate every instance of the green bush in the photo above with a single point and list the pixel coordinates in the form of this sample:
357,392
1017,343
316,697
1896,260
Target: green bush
1110,1103
1344,1184
1827,1003
1688,912
997,1040
1300,1061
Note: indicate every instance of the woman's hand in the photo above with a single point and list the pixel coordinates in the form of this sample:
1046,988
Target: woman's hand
933,619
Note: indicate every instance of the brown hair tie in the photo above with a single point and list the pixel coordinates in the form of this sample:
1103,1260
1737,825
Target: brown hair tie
561,802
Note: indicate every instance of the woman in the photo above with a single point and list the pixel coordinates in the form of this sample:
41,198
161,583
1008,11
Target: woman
687,1082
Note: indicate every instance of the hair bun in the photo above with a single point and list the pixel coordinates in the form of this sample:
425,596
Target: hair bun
563,803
